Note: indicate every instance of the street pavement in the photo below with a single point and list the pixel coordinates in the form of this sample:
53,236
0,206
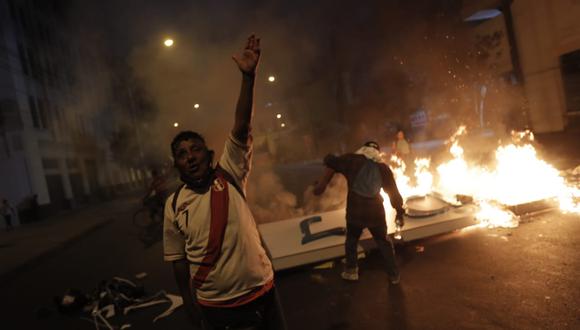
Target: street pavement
522,278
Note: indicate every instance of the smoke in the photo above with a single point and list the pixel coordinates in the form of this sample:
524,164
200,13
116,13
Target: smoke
269,200
345,73
333,198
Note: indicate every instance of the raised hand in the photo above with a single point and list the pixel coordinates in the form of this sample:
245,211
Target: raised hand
249,57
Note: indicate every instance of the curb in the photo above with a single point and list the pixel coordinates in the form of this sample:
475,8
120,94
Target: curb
11,274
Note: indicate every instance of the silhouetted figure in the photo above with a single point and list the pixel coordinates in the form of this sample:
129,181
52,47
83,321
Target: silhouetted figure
6,210
366,174
34,207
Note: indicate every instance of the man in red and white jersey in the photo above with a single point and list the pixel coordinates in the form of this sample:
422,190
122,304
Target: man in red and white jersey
220,263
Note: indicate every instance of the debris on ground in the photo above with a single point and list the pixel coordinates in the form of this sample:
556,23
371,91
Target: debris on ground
326,265
117,296
141,275
419,248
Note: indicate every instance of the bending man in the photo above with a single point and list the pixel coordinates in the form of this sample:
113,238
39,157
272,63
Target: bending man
366,174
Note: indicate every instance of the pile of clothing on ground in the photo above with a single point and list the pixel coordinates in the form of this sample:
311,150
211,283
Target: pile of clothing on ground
117,296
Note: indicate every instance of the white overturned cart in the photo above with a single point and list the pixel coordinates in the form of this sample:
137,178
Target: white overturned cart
318,237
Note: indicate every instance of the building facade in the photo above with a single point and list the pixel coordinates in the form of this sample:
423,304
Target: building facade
544,43
54,122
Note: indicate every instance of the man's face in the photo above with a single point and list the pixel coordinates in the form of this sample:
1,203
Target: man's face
400,135
192,159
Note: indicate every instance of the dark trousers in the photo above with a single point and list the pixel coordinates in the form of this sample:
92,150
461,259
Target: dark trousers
8,219
264,313
383,242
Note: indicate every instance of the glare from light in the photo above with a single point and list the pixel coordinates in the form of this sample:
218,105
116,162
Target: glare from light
176,124
168,42
278,116
283,125
271,78
196,106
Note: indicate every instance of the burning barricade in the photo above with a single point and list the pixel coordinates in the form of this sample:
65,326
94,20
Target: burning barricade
517,182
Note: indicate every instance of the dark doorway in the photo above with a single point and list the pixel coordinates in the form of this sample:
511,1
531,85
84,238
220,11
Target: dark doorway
570,66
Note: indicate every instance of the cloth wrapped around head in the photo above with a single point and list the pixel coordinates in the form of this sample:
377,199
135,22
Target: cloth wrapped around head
371,151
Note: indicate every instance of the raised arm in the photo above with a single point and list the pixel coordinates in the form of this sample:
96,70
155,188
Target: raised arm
247,62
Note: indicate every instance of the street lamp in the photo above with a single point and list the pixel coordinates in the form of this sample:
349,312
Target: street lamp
176,124
168,42
271,78
283,125
196,106
278,116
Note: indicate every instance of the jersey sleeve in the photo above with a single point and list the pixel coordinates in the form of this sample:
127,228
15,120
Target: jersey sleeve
236,160
173,240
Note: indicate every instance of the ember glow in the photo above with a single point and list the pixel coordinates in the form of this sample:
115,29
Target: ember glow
516,177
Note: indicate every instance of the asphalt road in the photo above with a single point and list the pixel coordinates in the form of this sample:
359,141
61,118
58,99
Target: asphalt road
522,278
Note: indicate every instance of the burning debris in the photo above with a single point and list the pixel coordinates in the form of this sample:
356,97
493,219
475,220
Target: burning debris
517,183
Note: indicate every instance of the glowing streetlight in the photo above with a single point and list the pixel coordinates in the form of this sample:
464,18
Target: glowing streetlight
196,106
176,124
271,78
283,125
168,42
278,116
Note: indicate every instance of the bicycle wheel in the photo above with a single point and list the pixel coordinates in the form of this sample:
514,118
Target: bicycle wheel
142,218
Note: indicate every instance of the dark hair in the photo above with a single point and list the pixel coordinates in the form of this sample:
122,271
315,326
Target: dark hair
184,136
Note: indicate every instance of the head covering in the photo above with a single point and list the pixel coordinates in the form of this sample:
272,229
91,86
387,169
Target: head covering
372,144
371,151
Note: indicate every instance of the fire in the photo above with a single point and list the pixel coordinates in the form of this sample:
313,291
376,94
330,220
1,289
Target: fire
517,176
492,216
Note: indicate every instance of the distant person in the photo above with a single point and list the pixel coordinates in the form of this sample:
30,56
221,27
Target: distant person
34,207
210,235
366,174
6,210
157,193
402,149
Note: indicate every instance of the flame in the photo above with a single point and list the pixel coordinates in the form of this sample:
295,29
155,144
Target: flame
518,176
492,216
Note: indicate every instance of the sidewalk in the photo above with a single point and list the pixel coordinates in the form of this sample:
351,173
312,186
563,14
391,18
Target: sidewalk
29,243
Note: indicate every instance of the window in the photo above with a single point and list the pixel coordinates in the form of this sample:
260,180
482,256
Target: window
23,59
42,113
570,67
33,112
50,163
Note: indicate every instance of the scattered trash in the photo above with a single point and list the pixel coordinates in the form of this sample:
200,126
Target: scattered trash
176,301
317,278
326,265
504,238
548,297
71,302
419,248
117,296
141,276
